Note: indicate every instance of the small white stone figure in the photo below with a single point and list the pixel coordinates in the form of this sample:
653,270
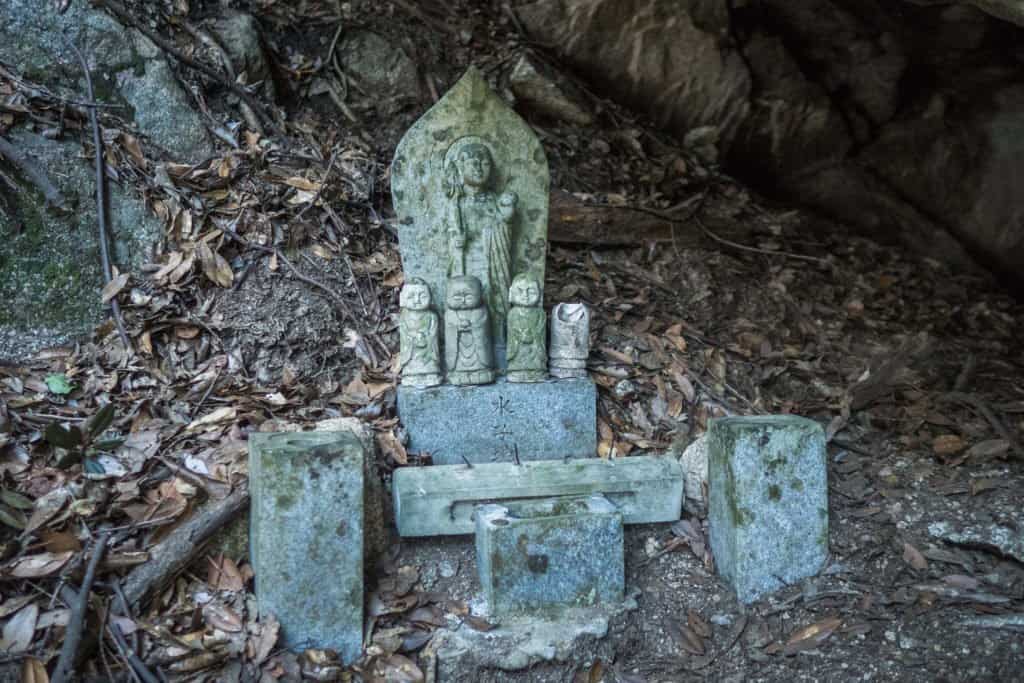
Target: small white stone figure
467,335
570,340
419,333
527,352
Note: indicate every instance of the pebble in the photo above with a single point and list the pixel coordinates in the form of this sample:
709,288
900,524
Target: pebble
447,569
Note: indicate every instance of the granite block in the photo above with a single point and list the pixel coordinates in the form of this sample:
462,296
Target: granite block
767,501
440,500
306,536
556,419
548,555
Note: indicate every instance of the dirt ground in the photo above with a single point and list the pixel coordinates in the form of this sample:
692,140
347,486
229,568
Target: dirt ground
916,370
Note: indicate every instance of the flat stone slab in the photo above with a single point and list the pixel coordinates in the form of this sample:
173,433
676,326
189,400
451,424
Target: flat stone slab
442,500
523,641
546,555
767,501
556,419
306,537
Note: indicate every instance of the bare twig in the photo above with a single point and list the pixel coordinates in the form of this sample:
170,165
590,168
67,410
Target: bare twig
73,634
342,306
101,200
756,250
982,408
176,551
319,190
52,195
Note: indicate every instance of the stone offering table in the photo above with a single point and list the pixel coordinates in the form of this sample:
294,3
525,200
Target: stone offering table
545,555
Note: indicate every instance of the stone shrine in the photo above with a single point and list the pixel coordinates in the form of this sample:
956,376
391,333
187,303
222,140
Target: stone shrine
470,188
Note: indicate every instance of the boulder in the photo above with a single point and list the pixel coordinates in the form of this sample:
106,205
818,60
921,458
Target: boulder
901,120
50,275
379,67
662,57
548,93
128,69
239,34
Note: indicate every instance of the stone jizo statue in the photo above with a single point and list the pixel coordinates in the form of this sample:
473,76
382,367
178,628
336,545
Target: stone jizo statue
419,334
478,225
467,334
527,347
570,340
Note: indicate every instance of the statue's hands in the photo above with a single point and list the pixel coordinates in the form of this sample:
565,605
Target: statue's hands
507,205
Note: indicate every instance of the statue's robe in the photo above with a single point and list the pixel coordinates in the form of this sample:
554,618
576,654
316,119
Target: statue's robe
467,343
419,343
487,254
527,347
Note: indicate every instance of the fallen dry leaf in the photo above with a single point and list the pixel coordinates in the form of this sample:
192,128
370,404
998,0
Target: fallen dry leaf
810,637
33,671
948,444
43,564
914,558
19,629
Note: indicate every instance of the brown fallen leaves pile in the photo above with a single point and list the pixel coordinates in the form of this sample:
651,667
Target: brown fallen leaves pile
135,441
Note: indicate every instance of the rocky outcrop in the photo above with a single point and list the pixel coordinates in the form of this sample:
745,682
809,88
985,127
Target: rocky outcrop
127,67
50,276
903,119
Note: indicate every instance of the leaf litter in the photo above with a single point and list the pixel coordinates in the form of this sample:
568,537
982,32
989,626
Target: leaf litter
272,301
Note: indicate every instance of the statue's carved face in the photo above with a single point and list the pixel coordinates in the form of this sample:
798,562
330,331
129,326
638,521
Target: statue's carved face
463,293
525,292
415,297
475,165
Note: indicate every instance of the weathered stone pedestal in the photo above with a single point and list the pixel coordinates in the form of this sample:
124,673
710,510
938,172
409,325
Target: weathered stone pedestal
546,555
441,500
306,537
555,419
768,501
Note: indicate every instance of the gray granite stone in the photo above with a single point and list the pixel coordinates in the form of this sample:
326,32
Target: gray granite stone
768,501
441,500
546,555
490,220
490,423
307,536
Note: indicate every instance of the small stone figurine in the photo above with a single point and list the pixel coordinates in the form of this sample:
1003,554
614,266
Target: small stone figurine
570,340
467,333
527,352
418,332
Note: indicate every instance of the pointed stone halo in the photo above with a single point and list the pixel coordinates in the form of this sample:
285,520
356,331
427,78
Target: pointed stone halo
468,113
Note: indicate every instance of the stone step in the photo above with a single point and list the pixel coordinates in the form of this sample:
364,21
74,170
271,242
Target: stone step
546,556
306,537
441,499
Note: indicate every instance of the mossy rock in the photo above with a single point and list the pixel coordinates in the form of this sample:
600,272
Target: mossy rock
127,70
50,274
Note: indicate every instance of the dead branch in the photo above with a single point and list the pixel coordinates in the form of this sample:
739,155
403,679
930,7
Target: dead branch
982,409
101,200
38,178
73,635
181,547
